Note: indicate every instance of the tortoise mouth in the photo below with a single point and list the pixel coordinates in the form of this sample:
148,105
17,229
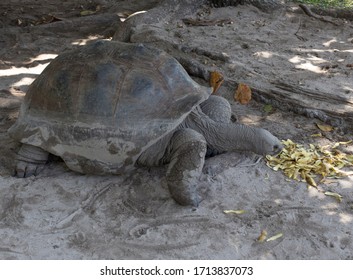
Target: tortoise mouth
277,149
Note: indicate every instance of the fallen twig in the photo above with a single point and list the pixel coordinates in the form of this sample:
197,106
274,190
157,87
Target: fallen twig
85,205
296,33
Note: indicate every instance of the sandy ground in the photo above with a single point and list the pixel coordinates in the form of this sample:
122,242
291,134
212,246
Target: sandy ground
63,215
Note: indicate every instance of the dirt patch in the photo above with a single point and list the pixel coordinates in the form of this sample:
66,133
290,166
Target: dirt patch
63,215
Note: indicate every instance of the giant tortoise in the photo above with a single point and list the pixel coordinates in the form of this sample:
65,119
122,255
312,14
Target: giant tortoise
109,107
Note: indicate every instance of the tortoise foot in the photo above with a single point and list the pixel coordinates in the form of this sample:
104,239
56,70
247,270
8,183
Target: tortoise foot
187,159
30,160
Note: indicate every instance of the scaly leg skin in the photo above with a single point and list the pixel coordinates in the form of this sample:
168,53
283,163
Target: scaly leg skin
217,108
187,157
30,161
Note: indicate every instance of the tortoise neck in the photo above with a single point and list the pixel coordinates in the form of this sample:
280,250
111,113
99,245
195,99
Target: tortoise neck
221,137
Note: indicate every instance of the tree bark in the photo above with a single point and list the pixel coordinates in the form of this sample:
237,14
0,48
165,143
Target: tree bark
335,13
333,109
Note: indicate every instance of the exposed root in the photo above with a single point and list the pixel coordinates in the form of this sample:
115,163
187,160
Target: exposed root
309,13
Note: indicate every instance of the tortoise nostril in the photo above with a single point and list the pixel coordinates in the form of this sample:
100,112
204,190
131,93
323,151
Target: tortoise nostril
277,148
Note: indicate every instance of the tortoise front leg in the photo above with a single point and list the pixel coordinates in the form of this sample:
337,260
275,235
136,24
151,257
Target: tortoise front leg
30,161
218,109
186,160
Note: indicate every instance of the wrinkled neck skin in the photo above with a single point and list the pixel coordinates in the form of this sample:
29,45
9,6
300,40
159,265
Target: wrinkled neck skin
223,137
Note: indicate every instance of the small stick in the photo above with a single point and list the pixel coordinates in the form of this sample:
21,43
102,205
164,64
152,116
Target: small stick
85,205
296,33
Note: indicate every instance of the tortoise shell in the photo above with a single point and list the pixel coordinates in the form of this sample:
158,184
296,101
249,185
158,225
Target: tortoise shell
100,106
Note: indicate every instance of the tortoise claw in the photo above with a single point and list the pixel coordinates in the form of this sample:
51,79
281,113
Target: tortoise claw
185,198
26,169
30,161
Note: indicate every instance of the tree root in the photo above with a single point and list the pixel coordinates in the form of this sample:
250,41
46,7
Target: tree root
309,13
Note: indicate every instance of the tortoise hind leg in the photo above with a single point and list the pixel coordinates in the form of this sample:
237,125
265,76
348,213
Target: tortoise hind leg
30,161
186,160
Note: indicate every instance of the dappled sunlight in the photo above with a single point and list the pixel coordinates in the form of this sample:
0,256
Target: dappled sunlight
313,62
23,70
82,42
19,76
295,59
345,218
250,118
37,69
330,208
334,42
23,82
307,63
347,183
278,201
43,56
313,193
328,43
264,54
348,88
310,67
323,50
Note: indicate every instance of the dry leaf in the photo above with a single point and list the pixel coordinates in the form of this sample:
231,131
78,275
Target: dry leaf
324,127
87,13
305,164
268,108
216,79
262,236
316,135
341,143
335,195
272,238
238,212
310,180
243,94
90,12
